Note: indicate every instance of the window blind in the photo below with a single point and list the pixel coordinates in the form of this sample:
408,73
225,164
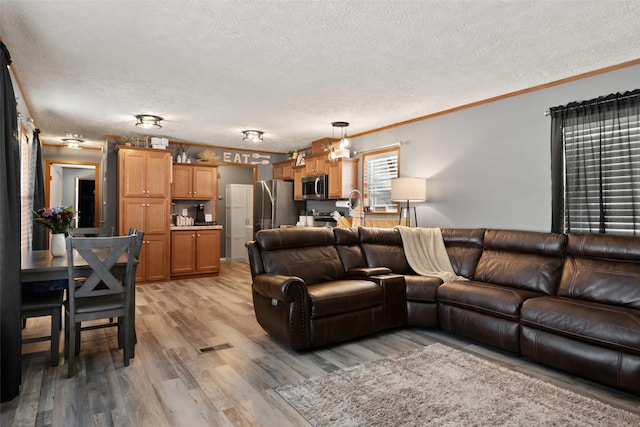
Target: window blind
602,178
378,170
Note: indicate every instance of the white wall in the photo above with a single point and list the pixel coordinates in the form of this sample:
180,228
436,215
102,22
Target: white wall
490,165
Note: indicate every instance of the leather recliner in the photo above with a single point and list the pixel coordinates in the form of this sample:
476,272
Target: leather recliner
303,297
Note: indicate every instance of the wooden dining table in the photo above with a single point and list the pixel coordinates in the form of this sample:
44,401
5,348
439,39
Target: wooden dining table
40,265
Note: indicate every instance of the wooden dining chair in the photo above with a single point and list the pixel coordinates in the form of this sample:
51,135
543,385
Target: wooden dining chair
44,303
139,236
105,292
137,248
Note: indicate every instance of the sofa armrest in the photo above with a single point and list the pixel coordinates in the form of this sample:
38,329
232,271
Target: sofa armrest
280,287
361,272
395,298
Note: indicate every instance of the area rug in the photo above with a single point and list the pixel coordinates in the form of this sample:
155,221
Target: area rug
441,386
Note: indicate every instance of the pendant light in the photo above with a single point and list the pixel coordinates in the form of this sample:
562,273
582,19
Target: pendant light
345,142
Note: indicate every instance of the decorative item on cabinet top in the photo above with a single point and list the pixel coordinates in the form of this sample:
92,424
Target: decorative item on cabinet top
208,157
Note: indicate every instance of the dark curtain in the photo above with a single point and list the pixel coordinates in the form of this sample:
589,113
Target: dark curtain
40,234
10,353
595,165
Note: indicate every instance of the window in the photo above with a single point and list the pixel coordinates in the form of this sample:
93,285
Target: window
378,168
596,165
26,190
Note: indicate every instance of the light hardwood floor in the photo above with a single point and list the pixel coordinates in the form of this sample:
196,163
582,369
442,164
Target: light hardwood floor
172,383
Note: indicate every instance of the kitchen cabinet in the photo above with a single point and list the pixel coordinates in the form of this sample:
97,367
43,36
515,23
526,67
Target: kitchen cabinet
195,251
284,169
149,215
198,182
153,264
143,203
143,172
343,177
315,164
298,173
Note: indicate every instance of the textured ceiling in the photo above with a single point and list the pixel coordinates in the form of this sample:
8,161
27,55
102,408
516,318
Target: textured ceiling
290,68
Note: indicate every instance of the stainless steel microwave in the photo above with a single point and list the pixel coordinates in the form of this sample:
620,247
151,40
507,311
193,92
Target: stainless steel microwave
315,187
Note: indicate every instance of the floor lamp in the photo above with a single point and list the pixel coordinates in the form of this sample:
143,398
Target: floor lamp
408,189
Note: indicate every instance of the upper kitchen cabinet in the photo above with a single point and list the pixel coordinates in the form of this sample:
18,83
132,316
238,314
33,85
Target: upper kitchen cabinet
284,169
343,177
143,172
315,164
198,182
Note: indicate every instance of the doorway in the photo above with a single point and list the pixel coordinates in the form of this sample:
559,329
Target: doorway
85,201
74,184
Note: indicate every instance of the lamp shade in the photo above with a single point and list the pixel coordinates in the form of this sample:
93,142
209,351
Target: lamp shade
408,189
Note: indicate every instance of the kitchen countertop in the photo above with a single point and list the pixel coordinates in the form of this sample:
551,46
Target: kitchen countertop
195,227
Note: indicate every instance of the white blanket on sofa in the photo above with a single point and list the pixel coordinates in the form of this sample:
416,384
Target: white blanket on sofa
426,254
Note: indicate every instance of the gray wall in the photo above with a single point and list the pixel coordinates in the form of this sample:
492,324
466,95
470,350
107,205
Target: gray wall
489,166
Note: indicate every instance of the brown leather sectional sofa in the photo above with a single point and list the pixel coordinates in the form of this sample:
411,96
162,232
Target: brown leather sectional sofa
568,301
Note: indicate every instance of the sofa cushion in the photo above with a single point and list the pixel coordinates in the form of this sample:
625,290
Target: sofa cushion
601,324
464,247
343,296
522,259
422,288
348,245
488,298
311,264
285,238
602,268
382,247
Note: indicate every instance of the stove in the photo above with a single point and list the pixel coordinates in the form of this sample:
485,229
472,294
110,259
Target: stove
323,219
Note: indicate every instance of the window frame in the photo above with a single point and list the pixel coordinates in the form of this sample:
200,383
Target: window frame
393,208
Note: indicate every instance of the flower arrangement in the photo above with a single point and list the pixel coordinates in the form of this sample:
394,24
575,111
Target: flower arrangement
56,219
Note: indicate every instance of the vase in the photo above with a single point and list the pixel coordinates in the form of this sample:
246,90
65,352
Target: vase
183,158
58,246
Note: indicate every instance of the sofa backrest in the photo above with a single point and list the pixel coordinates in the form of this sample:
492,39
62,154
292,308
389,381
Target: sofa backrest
602,268
464,246
522,259
382,247
348,246
308,253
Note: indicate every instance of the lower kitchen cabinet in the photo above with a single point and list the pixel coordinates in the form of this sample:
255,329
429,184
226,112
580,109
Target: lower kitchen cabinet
195,252
152,264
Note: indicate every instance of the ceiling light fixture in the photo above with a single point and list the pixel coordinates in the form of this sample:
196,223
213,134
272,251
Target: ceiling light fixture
148,121
252,135
72,140
344,142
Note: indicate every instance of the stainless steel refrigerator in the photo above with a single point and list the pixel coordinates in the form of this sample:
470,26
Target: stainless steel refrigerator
273,204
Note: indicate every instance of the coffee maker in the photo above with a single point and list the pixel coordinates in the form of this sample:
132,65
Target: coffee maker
200,214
